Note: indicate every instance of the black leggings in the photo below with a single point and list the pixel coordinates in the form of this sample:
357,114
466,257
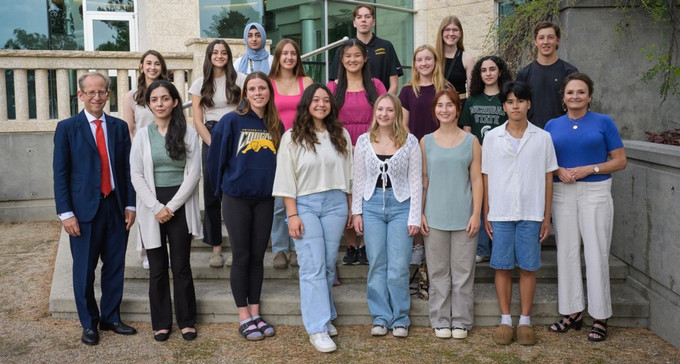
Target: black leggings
248,223
176,232
212,230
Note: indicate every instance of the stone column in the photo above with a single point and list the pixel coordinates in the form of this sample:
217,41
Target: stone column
123,86
42,95
21,94
63,94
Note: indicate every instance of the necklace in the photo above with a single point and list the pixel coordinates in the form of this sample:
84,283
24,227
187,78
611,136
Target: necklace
575,121
489,98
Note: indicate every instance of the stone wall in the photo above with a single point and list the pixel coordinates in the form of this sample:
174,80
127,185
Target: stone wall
646,230
607,44
164,25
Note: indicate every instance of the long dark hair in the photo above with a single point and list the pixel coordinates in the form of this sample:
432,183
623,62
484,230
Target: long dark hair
232,91
476,83
366,80
139,95
174,138
303,126
271,114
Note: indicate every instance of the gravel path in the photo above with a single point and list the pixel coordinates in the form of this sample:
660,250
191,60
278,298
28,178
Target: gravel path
29,335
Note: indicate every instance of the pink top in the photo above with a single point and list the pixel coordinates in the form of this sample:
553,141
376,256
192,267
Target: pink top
287,104
357,114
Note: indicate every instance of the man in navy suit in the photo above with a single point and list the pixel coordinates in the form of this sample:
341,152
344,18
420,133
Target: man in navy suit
95,201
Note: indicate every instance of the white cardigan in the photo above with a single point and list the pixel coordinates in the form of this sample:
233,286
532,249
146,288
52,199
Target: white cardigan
141,172
404,168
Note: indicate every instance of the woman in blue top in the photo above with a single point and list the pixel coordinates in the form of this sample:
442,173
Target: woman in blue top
589,149
241,165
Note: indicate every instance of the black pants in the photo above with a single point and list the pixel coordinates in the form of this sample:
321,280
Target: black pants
212,230
248,223
176,232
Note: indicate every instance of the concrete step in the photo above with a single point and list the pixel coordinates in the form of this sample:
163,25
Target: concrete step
483,274
281,300
280,304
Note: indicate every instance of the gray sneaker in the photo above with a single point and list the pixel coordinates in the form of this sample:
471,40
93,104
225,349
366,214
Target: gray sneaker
280,260
216,261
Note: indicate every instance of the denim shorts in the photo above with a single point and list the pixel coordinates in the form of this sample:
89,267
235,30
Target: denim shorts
516,242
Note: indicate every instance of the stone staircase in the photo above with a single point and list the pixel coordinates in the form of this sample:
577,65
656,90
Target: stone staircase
281,297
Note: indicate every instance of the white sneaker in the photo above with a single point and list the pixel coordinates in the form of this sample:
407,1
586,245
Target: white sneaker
145,263
459,333
332,331
479,258
400,331
442,332
229,260
322,342
417,254
379,330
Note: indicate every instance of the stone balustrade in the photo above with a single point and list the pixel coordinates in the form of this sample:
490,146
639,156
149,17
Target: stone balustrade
21,61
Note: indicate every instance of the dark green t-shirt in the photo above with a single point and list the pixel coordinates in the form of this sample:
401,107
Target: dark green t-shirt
482,113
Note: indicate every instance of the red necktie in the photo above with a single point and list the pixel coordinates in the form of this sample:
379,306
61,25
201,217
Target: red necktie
103,158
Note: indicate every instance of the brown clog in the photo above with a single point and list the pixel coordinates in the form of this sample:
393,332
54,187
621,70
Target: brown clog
526,335
503,335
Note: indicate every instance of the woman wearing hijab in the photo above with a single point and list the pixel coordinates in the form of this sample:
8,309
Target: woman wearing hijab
256,58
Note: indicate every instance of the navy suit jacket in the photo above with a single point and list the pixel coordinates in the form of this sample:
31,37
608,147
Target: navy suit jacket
76,164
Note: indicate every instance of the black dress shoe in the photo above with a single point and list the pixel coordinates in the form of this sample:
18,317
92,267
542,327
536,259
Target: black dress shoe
189,335
90,336
162,336
118,327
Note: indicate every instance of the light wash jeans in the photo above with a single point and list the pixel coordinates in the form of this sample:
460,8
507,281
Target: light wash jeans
281,240
323,216
388,247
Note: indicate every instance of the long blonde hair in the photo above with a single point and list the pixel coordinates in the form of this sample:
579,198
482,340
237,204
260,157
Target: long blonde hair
399,132
437,75
451,19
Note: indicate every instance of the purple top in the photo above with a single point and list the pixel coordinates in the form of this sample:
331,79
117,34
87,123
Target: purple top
421,120
357,114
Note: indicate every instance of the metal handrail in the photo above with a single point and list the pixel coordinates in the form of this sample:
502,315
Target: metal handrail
304,56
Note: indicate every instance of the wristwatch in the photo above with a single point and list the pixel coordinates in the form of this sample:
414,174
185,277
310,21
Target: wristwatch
596,169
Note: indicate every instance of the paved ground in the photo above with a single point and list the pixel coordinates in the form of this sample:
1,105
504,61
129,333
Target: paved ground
29,334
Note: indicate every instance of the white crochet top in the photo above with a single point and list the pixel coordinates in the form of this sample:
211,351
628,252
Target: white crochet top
404,170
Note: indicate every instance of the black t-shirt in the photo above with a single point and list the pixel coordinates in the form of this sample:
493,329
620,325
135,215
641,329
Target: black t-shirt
382,58
545,83
454,72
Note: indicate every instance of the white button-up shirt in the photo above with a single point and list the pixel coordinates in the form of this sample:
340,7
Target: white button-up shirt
516,180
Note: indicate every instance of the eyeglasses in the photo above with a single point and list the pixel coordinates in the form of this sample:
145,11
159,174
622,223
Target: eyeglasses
451,30
92,94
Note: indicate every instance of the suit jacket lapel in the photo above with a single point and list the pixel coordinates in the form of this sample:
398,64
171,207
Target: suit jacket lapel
85,129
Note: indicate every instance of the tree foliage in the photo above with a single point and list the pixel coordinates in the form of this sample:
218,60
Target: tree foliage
227,24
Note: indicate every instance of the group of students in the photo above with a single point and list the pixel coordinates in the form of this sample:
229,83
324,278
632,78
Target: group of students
452,163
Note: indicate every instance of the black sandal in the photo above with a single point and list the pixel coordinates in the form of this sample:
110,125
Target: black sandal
250,334
266,329
600,332
567,322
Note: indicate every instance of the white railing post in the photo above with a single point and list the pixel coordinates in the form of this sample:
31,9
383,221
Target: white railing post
3,98
180,82
63,94
21,93
42,95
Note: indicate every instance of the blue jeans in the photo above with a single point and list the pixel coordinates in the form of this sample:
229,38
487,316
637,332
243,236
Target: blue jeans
323,216
516,242
388,247
281,240
483,241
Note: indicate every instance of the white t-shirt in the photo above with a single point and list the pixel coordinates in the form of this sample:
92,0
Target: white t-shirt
220,107
301,172
516,180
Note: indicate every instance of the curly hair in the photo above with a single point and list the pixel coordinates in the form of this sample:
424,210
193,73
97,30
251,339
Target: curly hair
303,133
139,95
476,83
174,138
232,91
399,132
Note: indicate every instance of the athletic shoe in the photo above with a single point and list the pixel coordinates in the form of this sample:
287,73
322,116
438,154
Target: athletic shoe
442,332
351,256
362,259
417,254
379,330
332,331
459,333
280,260
322,342
216,260
400,331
